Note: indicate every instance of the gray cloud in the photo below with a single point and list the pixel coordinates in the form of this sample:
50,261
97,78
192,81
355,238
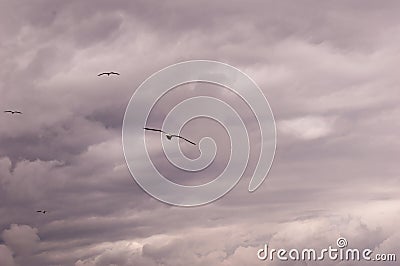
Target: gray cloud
6,256
328,69
22,239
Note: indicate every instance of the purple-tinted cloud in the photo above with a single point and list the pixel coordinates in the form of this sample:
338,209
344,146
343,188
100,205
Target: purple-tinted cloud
329,71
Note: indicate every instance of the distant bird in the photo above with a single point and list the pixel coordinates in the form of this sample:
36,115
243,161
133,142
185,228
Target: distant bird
42,211
108,73
13,112
169,136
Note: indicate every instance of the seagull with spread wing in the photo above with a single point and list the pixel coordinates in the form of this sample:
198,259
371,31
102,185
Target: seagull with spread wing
108,73
13,112
42,211
169,136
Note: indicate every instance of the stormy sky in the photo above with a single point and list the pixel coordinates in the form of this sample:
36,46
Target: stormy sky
329,70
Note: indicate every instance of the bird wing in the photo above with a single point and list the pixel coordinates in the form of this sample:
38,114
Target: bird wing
102,74
153,129
18,112
184,139
114,73
8,111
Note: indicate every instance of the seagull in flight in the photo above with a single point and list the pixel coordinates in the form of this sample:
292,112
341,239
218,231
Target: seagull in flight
108,73
13,112
169,136
42,211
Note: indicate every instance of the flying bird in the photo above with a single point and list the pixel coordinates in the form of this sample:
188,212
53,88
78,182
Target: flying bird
169,136
42,211
108,73
13,112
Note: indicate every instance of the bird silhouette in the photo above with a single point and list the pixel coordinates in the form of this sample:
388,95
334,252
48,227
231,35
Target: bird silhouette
108,73
13,112
169,136
42,211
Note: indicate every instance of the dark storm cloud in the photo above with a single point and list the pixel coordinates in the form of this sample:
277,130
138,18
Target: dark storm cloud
328,69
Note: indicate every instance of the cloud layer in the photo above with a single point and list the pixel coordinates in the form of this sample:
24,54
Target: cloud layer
328,69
